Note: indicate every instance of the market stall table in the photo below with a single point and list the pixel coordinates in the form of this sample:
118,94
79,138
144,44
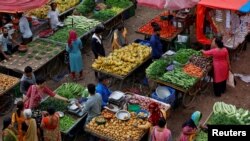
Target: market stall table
7,83
115,61
39,54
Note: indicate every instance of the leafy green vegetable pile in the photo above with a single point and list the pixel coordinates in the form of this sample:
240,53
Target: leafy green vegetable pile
157,68
71,90
66,122
179,78
183,55
86,7
57,104
119,3
104,15
62,35
225,114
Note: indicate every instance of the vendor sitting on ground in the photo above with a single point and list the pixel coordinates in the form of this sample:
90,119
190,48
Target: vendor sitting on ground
36,93
119,37
190,127
6,44
93,104
53,16
103,89
27,80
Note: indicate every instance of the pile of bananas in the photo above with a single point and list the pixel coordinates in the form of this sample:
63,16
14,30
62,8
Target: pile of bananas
122,61
62,5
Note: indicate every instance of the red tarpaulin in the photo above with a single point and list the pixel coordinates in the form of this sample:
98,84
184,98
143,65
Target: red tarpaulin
13,6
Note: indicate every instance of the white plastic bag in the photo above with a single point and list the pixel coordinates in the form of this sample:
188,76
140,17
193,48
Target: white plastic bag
230,79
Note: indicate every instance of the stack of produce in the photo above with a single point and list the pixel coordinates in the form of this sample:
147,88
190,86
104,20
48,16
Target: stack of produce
6,82
66,122
106,14
201,61
114,128
157,68
145,101
62,5
72,90
179,78
182,56
225,114
81,22
57,104
124,60
168,30
193,70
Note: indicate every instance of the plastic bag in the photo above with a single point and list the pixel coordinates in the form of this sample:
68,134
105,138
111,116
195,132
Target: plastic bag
152,3
230,79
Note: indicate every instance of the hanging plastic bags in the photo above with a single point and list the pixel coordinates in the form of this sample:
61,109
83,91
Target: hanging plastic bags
230,79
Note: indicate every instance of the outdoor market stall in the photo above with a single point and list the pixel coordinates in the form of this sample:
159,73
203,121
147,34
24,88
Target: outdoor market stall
39,54
185,71
111,127
73,115
6,99
121,63
230,19
224,114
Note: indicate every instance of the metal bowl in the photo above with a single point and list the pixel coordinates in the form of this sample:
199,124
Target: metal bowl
61,114
143,114
123,115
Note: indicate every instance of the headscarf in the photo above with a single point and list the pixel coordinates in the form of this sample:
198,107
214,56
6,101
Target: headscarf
6,122
196,117
72,37
156,113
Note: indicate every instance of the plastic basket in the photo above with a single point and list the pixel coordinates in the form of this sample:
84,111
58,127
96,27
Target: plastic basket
169,100
133,107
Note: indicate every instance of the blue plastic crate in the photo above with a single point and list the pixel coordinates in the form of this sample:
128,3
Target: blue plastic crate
169,100
143,42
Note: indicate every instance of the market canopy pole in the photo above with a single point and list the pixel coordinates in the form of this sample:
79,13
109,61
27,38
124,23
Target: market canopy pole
13,6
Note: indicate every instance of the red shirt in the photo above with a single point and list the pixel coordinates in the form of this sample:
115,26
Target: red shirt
35,96
220,63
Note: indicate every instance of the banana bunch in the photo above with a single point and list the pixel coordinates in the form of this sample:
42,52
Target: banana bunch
123,60
62,5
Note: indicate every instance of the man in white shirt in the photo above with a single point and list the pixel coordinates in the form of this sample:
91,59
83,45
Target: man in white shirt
53,16
24,28
6,44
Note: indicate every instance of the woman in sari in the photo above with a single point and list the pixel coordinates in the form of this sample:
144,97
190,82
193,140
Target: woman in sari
36,93
190,127
50,124
29,127
9,133
18,119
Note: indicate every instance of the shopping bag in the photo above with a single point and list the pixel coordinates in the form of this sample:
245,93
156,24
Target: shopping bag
230,79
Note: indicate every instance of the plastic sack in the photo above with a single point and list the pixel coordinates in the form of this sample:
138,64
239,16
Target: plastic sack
230,80
180,4
169,100
152,3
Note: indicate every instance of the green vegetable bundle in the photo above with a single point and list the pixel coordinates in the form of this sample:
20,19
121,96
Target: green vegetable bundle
240,115
86,7
104,15
157,68
57,104
66,122
179,78
119,3
71,90
62,35
182,56
81,22
202,136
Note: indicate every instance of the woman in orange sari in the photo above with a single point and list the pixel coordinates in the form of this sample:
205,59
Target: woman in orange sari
18,119
50,124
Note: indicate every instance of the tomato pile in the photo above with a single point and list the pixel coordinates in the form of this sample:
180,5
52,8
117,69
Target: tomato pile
167,31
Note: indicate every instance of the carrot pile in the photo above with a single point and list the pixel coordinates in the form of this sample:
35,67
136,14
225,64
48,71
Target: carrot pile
193,70
167,31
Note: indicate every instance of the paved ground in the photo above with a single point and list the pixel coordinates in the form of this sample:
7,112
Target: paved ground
238,96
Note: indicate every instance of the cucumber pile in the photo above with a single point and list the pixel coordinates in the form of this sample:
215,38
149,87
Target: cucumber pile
243,116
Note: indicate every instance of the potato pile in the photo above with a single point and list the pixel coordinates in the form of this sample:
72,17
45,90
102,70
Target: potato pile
6,82
124,60
118,130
